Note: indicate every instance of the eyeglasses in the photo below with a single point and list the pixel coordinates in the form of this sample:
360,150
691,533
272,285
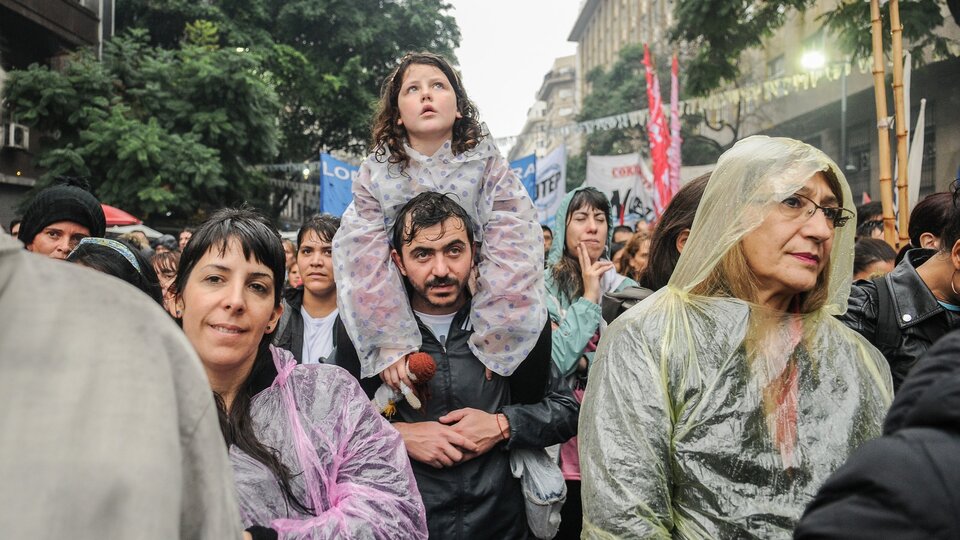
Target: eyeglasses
798,205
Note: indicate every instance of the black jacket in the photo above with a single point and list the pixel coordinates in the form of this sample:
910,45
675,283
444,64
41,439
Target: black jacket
289,334
920,320
906,484
480,498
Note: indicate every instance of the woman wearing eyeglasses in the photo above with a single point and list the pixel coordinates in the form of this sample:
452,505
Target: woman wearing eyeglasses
721,403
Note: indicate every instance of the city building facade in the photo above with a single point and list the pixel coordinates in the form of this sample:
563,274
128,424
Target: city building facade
555,107
830,105
39,32
603,27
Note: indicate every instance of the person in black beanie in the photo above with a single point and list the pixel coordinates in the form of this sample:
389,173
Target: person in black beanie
59,217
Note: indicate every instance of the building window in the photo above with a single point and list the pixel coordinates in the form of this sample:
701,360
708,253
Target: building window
565,111
777,67
565,93
928,178
92,5
857,168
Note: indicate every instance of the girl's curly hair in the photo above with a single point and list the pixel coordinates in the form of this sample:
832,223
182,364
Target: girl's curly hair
388,135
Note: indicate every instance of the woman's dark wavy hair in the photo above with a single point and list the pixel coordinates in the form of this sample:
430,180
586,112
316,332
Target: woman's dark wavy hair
260,241
390,136
110,261
566,272
663,244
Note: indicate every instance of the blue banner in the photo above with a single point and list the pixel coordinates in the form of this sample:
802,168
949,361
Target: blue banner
336,181
551,184
526,170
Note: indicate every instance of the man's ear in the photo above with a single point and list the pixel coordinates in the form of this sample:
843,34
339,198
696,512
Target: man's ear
398,261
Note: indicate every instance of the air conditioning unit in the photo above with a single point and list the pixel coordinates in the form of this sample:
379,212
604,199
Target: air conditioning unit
16,136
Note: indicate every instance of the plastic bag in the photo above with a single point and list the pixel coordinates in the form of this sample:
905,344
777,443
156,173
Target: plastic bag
544,490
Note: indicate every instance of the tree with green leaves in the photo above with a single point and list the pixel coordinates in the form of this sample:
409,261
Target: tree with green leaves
154,130
325,58
719,31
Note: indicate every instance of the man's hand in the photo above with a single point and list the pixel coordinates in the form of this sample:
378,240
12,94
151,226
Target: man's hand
479,427
435,444
396,373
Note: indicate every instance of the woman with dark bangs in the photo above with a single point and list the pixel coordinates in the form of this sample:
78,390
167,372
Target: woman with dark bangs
578,273
311,457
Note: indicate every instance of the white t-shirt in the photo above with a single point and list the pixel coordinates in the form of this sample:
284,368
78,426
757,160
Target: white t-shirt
438,324
317,336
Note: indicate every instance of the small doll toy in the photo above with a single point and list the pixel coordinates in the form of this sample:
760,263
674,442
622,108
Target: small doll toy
421,368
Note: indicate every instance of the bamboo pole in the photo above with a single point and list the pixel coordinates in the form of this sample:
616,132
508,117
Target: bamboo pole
901,122
883,127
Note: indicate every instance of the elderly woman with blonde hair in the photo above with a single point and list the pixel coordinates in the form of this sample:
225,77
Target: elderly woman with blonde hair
721,403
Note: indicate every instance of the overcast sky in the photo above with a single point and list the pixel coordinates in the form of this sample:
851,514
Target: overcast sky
506,47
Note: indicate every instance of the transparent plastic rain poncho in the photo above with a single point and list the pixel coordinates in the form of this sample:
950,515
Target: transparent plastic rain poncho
348,463
695,426
508,310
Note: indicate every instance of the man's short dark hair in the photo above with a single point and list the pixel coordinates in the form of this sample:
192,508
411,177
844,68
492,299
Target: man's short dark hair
547,229
324,225
623,228
426,210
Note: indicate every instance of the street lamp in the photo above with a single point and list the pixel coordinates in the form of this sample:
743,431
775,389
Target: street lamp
816,60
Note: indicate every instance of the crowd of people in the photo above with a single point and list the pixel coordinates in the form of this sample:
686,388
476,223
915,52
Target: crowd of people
727,371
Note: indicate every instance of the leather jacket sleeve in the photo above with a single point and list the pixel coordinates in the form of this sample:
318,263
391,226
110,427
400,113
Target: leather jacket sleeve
551,421
861,315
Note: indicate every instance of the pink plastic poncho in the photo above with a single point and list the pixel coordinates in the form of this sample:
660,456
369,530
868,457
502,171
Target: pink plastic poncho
508,309
347,462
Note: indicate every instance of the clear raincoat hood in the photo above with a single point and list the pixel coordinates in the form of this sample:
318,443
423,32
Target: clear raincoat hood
713,417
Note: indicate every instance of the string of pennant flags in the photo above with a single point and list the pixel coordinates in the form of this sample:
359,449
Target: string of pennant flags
767,90
763,91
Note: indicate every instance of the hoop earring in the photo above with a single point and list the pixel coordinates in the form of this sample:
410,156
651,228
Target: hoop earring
952,286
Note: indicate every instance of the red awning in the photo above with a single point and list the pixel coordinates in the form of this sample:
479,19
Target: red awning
116,216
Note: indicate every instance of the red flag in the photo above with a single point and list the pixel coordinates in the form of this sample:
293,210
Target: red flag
674,154
657,135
